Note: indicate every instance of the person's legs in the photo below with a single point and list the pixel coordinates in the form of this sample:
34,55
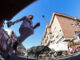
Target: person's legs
23,35
15,45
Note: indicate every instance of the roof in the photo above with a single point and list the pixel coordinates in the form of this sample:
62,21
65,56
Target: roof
66,22
9,8
62,15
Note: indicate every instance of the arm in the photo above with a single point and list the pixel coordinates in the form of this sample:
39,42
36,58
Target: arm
23,18
12,23
38,24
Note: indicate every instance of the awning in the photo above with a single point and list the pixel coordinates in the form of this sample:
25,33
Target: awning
9,8
62,46
77,42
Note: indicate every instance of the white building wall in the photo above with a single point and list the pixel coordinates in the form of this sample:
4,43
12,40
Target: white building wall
56,29
47,37
62,46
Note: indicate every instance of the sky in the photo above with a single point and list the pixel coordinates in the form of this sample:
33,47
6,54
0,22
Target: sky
46,8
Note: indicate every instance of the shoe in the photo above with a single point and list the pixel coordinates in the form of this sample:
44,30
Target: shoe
8,57
5,56
15,46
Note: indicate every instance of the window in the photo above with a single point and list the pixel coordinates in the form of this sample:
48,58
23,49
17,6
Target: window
57,36
77,24
60,30
51,41
79,36
54,28
50,32
72,25
46,40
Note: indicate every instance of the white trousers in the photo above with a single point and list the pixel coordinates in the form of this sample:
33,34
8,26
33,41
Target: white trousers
24,33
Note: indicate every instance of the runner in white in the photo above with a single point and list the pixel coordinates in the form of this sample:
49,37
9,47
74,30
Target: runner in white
26,29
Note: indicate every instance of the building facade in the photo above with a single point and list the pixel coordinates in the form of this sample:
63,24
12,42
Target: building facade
62,28
47,38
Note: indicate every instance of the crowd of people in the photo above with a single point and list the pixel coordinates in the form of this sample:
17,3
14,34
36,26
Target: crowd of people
73,48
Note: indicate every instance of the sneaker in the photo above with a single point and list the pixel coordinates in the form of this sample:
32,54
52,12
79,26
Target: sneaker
15,45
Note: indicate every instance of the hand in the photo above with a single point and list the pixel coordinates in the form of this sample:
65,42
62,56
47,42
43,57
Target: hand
9,23
38,24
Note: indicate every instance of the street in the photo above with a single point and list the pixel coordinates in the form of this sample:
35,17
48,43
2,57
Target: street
75,56
19,58
16,58
22,58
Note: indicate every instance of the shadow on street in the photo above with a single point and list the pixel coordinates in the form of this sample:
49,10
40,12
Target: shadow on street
19,58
